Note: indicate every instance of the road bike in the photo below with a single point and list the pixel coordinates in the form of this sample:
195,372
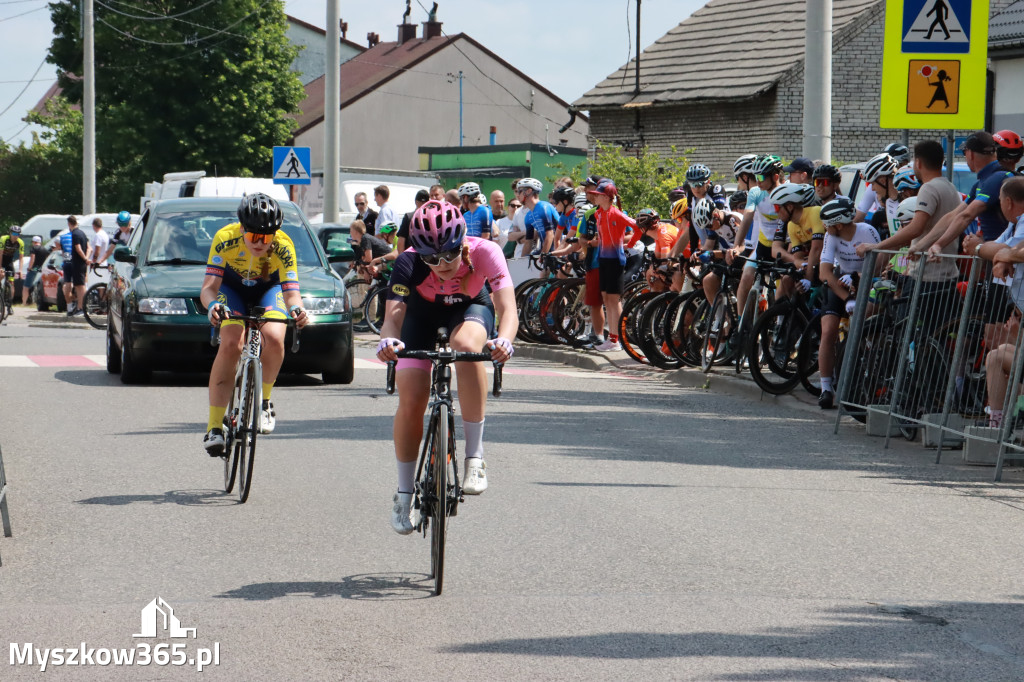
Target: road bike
438,491
96,301
6,294
242,419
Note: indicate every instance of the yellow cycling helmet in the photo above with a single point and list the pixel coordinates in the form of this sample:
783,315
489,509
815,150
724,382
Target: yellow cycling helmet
679,209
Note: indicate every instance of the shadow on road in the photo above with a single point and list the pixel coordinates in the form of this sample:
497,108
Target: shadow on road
378,586
874,641
572,484
98,376
187,498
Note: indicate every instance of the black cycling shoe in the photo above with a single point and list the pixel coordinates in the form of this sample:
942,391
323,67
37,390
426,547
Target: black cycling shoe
214,443
826,400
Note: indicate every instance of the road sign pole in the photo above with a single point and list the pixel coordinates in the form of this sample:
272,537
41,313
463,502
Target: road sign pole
950,151
332,113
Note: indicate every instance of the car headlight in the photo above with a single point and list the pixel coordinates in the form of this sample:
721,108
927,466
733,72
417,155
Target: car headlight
163,306
324,306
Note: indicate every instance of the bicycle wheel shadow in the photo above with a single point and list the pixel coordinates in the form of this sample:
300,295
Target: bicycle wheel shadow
186,498
366,586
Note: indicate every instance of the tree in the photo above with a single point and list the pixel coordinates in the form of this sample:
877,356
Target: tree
180,89
644,179
45,176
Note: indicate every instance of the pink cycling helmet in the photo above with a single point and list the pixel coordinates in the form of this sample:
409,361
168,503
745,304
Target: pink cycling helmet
437,226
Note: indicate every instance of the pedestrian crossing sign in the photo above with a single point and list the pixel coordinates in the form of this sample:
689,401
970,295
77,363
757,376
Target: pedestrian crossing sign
291,166
924,86
937,26
933,87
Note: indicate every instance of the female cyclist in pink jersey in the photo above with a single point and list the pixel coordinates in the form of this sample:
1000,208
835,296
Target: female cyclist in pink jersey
439,282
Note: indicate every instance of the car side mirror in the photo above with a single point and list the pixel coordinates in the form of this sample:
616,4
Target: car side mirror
123,254
338,255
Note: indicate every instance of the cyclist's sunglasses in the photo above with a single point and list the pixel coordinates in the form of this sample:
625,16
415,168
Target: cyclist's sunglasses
821,182
436,258
260,238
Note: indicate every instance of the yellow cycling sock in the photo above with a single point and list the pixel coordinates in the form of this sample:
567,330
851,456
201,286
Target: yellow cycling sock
267,388
216,417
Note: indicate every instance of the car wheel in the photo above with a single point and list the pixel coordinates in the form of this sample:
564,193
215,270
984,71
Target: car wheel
41,304
113,353
131,371
345,374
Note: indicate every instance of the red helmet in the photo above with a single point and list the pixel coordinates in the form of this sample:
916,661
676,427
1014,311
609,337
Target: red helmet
1009,140
607,188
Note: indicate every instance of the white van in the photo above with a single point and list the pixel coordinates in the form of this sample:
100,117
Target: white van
45,225
197,184
402,186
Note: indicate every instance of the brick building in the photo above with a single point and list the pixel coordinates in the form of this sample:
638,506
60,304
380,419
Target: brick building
729,80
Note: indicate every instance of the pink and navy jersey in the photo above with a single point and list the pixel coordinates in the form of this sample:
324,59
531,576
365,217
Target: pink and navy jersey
413,280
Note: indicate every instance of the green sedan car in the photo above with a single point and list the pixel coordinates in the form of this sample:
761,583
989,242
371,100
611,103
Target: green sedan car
156,321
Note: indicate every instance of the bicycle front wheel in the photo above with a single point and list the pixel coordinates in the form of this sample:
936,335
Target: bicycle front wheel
439,522
96,306
373,308
716,326
249,423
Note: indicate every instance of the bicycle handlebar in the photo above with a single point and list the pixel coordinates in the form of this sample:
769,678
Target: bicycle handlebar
446,357
259,319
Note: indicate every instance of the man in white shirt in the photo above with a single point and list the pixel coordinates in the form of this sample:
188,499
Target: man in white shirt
98,243
385,213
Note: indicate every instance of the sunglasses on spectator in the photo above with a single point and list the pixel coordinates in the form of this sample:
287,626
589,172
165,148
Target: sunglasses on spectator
435,259
360,203
260,238
515,205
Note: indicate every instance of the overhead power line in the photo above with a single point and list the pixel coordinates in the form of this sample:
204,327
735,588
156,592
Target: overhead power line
15,16
7,108
154,16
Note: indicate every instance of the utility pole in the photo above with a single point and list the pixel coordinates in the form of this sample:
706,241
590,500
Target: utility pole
817,137
88,111
332,113
451,79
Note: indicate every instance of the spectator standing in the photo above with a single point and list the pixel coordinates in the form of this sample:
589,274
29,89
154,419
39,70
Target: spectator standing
800,170
503,225
612,226
37,256
75,267
403,231
99,244
364,213
385,214
452,197
436,193
497,204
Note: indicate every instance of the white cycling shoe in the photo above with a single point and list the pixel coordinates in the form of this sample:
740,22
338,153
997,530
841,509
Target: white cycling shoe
268,418
475,480
404,518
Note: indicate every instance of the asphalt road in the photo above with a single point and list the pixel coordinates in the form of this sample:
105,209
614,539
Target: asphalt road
634,529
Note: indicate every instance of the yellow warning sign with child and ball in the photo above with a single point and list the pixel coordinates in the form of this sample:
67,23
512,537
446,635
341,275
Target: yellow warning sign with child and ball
934,66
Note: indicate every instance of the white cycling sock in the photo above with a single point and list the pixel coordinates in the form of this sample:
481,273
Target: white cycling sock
406,476
474,438
826,384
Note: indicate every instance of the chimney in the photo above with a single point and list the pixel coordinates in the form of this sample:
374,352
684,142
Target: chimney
372,39
344,28
494,135
432,27
406,32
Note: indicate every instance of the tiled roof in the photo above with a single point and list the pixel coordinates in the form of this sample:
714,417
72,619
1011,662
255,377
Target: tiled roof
1006,29
728,49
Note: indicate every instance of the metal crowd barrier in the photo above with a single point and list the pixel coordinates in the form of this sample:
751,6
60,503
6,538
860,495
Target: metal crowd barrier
915,357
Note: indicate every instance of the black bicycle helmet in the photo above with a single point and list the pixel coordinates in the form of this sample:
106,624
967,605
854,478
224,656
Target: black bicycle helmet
828,172
738,200
566,194
646,217
676,194
260,214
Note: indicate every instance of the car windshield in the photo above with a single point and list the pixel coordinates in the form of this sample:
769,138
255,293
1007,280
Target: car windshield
185,237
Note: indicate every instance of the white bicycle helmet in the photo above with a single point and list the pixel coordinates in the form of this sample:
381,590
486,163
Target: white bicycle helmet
878,167
899,153
905,179
469,189
839,211
787,193
907,209
702,213
744,164
581,203
810,196
531,183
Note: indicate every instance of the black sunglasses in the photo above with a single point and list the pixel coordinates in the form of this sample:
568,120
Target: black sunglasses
436,258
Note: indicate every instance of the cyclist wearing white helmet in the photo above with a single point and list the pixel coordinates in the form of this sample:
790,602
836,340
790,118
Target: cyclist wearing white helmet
541,218
761,216
478,216
840,268
802,240
880,174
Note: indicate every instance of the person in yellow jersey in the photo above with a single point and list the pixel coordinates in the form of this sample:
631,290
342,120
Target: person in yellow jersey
251,263
802,240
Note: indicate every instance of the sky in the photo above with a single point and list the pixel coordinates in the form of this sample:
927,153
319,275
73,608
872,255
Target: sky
566,46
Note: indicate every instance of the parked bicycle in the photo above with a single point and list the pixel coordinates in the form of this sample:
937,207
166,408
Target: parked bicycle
438,491
96,302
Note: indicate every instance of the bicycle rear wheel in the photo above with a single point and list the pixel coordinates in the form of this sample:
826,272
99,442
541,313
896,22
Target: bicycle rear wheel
245,449
439,511
715,327
95,309
773,349
373,308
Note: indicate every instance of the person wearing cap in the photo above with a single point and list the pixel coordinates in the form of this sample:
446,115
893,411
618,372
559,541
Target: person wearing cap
983,201
612,228
37,256
800,170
